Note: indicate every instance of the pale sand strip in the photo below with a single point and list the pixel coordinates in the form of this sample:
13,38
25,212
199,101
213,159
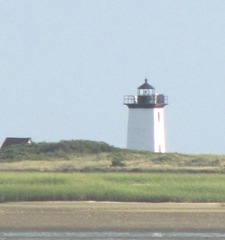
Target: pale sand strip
109,216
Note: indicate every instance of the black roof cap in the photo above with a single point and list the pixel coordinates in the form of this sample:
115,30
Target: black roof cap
146,85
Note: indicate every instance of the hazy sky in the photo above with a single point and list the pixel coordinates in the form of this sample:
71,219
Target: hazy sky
66,64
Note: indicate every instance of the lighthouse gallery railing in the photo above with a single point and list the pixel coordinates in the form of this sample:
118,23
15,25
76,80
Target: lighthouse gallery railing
156,99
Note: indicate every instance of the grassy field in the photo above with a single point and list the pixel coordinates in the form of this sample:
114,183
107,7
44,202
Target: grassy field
125,187
88,156
85,170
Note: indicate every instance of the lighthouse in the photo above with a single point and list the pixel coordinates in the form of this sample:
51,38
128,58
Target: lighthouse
146,123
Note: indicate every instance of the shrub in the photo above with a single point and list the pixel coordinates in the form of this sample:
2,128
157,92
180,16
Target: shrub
117,163
117,160
62,149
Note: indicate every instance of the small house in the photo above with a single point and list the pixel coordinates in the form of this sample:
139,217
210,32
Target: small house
9,141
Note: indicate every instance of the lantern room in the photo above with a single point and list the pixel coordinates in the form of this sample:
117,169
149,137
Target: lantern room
146,89
146,98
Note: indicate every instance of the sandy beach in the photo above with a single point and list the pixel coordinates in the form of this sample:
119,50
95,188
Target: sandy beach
110,216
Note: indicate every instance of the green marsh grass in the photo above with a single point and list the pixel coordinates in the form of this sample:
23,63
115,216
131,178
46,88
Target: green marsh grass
130,187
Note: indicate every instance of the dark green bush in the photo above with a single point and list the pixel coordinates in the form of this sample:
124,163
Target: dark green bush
62,149
117,163
117,160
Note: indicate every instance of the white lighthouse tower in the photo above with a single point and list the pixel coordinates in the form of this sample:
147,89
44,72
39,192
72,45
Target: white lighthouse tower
146,127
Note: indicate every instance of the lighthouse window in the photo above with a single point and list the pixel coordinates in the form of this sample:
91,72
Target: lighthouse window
158,116
145,91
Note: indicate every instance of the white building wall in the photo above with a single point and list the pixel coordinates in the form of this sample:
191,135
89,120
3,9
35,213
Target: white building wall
140,134
146,129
